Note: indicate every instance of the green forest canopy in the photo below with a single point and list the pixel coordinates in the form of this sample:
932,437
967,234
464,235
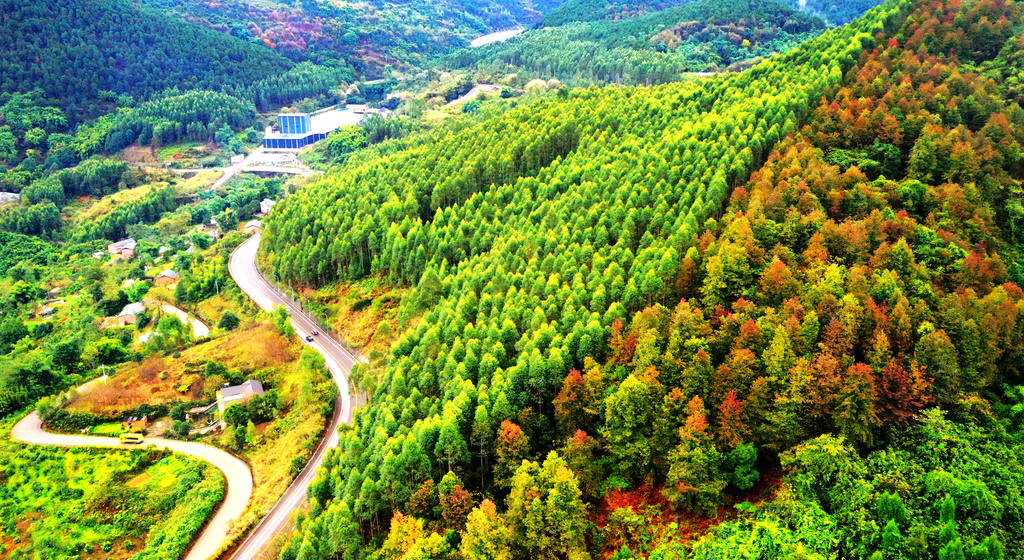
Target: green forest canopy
121,47
707,35
586,305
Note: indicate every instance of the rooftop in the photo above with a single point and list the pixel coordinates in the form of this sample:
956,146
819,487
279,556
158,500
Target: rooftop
325,123
132,309
253,385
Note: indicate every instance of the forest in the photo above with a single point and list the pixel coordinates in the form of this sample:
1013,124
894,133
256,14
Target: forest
770,314
702,36
367,36
122,48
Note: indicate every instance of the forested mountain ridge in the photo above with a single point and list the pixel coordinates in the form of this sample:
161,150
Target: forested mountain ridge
120,47
591,10
367,35
659,47
836,13
585,304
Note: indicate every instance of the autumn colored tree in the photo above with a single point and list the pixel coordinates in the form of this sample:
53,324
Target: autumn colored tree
513,447
694,478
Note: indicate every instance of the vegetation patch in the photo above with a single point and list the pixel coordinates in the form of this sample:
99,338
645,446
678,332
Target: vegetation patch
257,352
102,503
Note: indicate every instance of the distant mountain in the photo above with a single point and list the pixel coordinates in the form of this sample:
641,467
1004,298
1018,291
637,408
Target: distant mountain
835,12
75,49
658,47
368,35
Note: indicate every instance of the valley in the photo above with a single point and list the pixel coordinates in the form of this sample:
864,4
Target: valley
669,280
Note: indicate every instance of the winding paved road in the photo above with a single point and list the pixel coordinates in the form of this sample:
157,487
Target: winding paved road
242,267
339,359
30,430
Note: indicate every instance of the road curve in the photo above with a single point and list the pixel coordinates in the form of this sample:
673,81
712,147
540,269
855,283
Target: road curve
242,267
30,430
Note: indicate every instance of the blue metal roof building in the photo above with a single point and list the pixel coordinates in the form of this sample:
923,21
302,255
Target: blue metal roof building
296,131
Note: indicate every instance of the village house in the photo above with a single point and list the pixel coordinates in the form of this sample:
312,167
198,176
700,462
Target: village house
201,414
253,227
165,278
238,394
125,248
130,313
134,423
265,205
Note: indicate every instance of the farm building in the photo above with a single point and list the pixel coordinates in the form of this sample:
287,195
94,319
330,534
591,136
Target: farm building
238,394
165,278
134,423
125,248
130,313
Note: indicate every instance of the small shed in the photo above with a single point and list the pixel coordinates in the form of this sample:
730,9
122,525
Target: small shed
165,278
254,227
134,424
130,313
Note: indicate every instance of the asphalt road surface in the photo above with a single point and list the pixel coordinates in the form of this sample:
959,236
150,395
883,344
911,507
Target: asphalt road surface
242,267
30,430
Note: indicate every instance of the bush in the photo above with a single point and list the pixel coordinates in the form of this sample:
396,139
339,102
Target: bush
228,321
72,421
181,429
178,412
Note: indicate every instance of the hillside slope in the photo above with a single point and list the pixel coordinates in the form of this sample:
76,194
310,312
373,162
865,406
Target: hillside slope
701,36
842,345
531,239
359,33
118,46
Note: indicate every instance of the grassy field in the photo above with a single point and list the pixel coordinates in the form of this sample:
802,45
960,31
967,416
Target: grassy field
108,429
365,313
101,503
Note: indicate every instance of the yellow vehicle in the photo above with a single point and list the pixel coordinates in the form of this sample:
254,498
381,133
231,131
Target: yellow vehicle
131,438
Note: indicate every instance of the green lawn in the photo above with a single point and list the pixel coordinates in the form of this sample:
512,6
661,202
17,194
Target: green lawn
108,429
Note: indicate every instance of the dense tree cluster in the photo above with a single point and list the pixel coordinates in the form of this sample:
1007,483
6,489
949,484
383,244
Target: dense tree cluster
172,116
835,12
706,35
119,47
366,36
532,238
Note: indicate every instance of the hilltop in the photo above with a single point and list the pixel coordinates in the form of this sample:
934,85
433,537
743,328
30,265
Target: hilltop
778,290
